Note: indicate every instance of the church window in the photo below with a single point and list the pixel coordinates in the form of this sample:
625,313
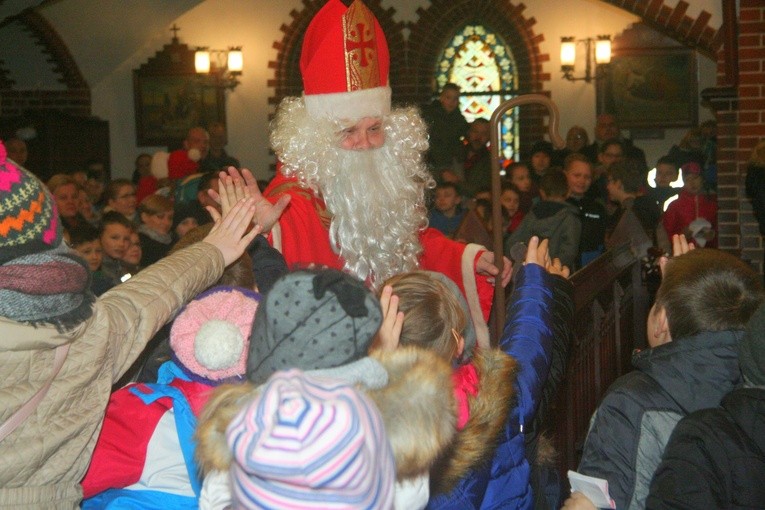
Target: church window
482,65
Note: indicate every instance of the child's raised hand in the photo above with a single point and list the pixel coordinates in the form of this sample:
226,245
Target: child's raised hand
231,189
556,267
235,186
229,234
536,252
539,253
680,246
393,321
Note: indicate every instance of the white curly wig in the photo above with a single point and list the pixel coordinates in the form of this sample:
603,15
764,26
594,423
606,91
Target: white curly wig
376,196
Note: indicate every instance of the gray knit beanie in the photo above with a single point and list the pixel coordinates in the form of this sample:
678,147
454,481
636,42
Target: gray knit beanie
752,348
312,320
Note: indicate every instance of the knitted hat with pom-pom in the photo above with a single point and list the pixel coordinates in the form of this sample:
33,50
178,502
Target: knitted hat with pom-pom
29,220
210,337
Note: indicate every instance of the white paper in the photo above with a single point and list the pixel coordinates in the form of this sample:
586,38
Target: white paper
596,489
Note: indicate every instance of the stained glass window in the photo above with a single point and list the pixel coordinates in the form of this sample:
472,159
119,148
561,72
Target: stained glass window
482,65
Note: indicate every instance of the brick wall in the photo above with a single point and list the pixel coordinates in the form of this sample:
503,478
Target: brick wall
413,59
741,124
674,22
73,100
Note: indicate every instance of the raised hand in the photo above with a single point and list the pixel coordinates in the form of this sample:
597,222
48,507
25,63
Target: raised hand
680,246
231,189
536,252
229,233
539,253
393,321
235,186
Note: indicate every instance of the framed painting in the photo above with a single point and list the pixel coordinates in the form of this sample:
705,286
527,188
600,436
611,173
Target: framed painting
650,88
168,106
171,98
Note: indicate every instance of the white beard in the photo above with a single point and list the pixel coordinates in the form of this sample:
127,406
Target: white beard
376,196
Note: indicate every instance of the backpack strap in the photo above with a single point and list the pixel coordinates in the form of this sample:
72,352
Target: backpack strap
28,408
185,424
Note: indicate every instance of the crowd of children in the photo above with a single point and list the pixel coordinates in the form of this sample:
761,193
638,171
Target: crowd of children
320,393
603,181
116,234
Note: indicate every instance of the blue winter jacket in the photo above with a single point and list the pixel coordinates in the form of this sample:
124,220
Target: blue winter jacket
488,467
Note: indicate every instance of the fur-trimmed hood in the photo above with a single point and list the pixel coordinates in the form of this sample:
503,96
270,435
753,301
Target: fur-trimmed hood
477,442
225,402
417,406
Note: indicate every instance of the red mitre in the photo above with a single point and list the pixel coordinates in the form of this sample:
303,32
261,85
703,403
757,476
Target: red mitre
344,63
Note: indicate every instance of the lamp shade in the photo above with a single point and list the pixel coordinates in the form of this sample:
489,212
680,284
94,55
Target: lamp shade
567,51
202,61
235,60
603,50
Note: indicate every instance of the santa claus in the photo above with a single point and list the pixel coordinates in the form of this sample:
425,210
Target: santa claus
349,189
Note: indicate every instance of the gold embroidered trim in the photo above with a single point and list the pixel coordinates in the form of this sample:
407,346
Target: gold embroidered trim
360,45
318,204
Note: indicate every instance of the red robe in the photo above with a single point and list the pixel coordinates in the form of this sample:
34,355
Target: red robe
302,235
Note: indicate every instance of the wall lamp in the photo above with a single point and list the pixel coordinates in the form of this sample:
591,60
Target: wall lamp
225,65
597,49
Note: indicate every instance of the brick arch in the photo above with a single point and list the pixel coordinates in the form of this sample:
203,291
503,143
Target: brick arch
674,23
287,80
437,25
51,43
75,99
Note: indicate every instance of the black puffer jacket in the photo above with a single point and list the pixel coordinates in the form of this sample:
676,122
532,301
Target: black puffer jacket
593,216
632,425
716,457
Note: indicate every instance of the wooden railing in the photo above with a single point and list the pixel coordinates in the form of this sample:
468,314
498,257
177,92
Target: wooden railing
609,322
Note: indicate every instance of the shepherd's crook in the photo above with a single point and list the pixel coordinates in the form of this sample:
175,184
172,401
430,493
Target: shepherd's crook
496,212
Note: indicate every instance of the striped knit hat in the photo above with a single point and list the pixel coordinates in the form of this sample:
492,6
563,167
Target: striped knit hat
28,216
308,442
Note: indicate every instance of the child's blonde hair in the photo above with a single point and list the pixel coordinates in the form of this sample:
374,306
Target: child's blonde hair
433,318
155,204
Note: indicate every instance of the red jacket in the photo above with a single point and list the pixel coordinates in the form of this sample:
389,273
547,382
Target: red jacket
687,208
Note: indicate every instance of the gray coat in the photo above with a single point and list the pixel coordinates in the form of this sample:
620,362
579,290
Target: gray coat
632,425
556,221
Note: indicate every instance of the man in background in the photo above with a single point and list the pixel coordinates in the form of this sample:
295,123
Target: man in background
217,157
607,128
